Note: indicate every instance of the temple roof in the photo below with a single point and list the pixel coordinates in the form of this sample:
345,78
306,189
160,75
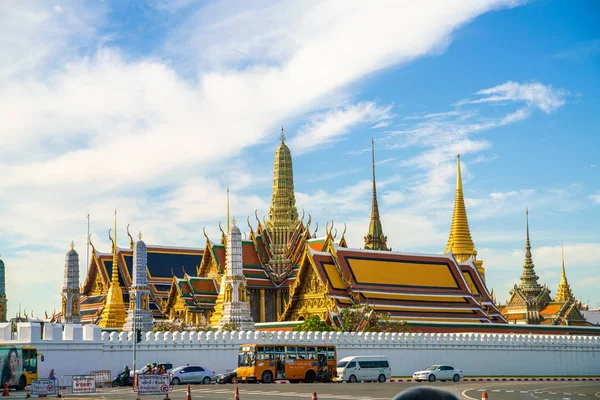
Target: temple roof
564,289
409,287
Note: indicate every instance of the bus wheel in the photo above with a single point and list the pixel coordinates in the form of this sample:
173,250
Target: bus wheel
310,376
267,377
381,378
22,382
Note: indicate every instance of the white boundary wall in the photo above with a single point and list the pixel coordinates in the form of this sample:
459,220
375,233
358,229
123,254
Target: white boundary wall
75,349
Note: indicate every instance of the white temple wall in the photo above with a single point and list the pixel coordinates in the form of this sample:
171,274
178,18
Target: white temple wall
79,351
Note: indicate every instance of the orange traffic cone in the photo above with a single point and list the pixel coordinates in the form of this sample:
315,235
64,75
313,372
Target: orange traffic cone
484,396
314,396
237,394
188,395
5,392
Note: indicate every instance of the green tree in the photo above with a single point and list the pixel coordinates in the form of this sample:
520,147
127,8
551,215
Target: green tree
314,324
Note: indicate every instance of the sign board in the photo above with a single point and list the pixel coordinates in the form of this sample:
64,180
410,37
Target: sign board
153,384
102,377
44,386
84,384
11,360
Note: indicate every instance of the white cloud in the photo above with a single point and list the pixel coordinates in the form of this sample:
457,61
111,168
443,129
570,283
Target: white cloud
536,94
595,198
88,126
331,126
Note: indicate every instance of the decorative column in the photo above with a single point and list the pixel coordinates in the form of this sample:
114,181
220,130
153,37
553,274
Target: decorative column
278,300
262,305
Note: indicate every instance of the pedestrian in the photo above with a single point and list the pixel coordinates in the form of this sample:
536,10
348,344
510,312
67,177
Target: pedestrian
51,376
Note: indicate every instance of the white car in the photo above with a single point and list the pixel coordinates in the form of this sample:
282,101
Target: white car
439,372
191,374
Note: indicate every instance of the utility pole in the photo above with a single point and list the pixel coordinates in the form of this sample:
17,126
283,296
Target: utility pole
134,338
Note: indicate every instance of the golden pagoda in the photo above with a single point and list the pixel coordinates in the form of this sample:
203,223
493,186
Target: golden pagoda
460,242
114,314
375,240
564,289
283,215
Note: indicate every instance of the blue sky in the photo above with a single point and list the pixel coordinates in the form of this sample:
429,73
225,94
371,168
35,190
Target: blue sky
154,109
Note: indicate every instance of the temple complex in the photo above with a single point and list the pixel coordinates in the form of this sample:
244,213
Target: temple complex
3,301
531,303
290,274
71,293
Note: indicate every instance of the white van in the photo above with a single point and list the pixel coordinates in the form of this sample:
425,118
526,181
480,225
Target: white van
363,368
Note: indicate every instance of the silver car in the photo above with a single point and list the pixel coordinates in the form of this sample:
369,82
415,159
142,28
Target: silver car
439,372
192,374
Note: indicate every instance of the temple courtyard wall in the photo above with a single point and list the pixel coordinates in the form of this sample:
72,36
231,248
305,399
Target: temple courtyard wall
75,349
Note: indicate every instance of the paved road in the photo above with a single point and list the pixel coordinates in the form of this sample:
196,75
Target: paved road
369,391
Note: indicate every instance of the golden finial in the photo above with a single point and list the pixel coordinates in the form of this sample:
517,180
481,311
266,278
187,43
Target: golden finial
282,137
233,221
458,175
72,245
140,235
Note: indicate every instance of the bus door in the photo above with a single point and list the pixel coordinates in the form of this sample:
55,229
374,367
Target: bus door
322,356
279,353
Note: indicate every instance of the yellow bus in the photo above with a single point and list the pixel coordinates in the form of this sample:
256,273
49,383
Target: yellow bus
18,365
260,363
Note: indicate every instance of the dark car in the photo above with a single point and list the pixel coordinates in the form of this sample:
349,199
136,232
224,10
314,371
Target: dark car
228,377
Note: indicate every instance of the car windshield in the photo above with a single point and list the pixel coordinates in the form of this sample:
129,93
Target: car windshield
342,364
432,368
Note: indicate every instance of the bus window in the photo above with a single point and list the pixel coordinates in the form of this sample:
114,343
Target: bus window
246,358
290,353
279,352
30,361
331,353
311,353
301,352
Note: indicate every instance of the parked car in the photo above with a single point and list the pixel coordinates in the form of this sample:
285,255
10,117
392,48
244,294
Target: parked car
191,374
168,367
363,368
228,377
442,372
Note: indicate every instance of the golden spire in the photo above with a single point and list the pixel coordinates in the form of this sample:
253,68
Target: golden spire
114,314
564,289
283,215
227,209
375,240
72,245
459,240
529,280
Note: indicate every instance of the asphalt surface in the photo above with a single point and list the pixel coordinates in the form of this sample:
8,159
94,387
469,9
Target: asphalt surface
363,391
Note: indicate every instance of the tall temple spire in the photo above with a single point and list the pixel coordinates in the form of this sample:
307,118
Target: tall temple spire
139,315
459,240
375,240
283,215
564,289
71,294
2,292
529,280
114,314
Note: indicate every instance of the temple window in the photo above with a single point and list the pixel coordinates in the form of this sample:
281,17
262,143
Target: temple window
228,292
242,293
